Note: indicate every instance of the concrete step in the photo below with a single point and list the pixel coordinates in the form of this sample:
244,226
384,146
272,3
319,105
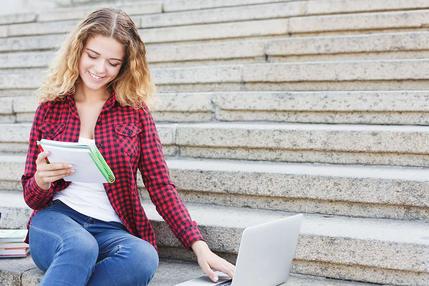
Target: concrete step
337,144
157,18
239,13
360,191
376,251
310,6
342,75
353,46
327,244
283,142
18,18
23,272
353,107
181,107
153,7
380,46
339,24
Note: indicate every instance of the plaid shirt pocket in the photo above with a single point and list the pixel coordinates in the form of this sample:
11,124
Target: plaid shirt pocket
51,130
128,140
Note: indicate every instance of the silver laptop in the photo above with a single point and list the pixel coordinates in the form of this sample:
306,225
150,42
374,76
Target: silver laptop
265,255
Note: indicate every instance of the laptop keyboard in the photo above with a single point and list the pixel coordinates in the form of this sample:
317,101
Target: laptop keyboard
224,283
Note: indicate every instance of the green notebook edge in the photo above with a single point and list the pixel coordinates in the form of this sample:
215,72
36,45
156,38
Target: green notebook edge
101,164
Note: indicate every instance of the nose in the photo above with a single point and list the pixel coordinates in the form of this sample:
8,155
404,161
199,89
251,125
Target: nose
100,67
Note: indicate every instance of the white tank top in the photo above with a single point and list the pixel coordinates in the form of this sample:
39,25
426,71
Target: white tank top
88,198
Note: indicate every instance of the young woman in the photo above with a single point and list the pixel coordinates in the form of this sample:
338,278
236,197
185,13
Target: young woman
98,234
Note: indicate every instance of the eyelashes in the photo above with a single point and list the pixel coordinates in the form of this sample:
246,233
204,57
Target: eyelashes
94,57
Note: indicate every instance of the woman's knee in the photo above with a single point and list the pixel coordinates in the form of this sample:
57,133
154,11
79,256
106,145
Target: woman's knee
146,262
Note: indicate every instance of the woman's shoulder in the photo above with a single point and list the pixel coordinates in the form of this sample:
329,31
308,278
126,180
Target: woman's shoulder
47,104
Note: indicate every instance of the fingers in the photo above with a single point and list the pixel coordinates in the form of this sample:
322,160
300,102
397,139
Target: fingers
48,173
51,179
225,267
41,158
54,167
207,270
219,264
55,173
42,165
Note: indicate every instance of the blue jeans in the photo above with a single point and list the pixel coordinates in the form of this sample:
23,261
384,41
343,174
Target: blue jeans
75,249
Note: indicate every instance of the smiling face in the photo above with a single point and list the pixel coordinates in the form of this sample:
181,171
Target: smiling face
100,62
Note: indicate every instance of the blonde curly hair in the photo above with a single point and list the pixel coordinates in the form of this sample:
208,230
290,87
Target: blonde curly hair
133,85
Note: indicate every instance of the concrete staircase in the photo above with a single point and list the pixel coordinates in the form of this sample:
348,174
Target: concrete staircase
266,108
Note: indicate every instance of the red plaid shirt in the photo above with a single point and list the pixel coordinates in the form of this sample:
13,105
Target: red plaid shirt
128,140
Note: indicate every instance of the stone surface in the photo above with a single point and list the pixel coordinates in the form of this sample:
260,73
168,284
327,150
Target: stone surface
189,102
304,156
78,13
215,31
25,104
370,107
26,59
369,144
44,42
181,5
6,105
336,71
58,27
224,49
353,138
379,244
278,50
18,18
228,14
338,101
367,251
268,73
373,53
170,272
352,190
359,21
382,42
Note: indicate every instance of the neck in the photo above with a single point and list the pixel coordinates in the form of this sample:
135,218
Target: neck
84,94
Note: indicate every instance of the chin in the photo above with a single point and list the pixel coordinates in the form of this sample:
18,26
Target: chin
93,86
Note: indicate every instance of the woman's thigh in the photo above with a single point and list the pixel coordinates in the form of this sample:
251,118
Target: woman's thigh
124,259
52,232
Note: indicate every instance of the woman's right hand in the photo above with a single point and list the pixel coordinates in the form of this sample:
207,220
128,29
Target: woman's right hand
48,173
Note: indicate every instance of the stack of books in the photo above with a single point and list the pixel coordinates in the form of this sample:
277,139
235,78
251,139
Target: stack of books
12,243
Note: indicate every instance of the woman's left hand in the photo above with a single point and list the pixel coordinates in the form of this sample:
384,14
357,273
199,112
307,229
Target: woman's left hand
209,261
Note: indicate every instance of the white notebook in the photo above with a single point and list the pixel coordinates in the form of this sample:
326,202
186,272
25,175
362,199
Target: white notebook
87,161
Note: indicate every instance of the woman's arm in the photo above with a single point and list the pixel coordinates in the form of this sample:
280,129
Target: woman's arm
164,195
162,191
35,197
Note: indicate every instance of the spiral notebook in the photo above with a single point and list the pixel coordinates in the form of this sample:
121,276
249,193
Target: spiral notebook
89,164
